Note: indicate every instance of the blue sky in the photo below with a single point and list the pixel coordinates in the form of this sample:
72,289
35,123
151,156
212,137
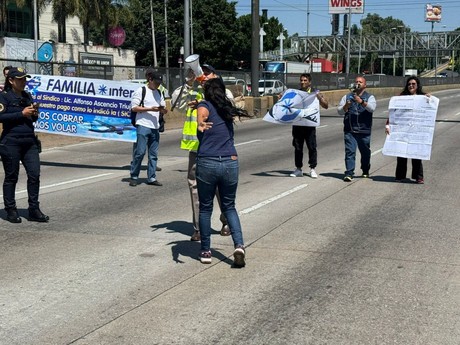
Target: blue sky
293,14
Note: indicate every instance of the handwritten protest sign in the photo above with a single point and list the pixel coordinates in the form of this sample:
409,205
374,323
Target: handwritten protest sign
412,123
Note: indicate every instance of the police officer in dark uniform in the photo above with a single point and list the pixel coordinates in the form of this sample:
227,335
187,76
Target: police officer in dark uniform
18,143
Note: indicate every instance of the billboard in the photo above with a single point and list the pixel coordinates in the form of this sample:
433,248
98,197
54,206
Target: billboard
433,13
346,6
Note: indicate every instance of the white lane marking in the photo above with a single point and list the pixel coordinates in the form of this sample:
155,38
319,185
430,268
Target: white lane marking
248,142
257,140
375,152
270,200
457,114
67,182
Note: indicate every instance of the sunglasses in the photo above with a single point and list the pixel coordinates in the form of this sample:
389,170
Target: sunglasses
411,83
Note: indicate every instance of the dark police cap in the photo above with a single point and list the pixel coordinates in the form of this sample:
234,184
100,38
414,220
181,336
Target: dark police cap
209,68
17,72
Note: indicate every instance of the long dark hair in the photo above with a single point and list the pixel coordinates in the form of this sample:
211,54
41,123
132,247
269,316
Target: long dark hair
214,92
7,85
406,87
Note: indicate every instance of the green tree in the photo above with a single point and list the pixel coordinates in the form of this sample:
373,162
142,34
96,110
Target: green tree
117,12
63,9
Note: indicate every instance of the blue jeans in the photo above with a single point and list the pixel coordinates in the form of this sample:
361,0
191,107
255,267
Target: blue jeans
146,138
221,173
363,143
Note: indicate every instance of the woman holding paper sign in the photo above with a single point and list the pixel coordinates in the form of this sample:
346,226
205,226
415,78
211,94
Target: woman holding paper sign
413,87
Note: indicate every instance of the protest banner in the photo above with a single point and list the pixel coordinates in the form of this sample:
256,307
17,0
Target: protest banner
412,123
91,108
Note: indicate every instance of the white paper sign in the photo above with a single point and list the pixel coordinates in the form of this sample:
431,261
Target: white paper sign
412,123
296,107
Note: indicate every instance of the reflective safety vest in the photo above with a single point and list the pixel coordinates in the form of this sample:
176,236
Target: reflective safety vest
164,91
189,137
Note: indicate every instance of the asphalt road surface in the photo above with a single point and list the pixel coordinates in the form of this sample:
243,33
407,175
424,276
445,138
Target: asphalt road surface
328,262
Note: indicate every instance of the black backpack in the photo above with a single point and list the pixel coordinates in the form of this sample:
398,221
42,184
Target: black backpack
134,113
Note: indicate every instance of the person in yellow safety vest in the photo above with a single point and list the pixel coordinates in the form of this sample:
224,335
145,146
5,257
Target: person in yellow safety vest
185,99
164,91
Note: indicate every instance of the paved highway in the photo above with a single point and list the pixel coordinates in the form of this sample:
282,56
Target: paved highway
328,262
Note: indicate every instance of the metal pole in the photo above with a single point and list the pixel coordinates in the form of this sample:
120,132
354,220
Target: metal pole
35,33
155,62
360,47
349,41
404,54
186,28
436,64
308,31
255,48
191,27
394,64
166,45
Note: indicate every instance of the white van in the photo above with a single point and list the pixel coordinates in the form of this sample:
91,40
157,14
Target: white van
271,87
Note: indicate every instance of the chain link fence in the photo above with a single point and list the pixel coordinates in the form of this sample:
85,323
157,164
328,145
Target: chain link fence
174,77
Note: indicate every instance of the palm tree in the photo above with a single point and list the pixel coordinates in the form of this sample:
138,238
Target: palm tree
118,9
62,9
103,14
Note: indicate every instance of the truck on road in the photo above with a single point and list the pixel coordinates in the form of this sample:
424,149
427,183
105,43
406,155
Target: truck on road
287,67
410,72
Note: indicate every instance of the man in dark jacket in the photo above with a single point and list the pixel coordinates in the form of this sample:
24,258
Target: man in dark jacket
358,107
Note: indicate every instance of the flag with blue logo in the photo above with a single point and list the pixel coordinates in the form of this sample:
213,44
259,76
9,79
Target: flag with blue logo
295,107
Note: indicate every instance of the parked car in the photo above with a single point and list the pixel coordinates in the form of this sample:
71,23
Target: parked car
271,87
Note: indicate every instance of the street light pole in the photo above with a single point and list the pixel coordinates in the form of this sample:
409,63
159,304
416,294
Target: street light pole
307,33
191,26
360,47
404,54
155,62
394,57
255,67
403,27
349,41
436,63
166,45
186,28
